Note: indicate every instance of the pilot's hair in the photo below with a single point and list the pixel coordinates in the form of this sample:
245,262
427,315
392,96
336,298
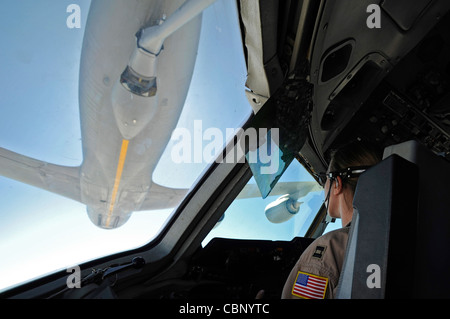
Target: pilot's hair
353,154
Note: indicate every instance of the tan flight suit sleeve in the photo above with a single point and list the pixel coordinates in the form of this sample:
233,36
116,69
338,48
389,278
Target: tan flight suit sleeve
324,258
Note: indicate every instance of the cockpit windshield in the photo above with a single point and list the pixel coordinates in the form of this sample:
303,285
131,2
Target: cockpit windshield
42,232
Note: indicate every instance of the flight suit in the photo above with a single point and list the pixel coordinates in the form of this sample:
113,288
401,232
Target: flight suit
316,273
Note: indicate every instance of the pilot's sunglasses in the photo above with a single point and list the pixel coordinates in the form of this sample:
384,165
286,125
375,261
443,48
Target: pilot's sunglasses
346,173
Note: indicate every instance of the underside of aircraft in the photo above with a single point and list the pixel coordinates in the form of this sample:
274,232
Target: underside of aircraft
324,73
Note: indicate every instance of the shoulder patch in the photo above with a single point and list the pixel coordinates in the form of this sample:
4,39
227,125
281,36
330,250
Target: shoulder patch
310,286
319,251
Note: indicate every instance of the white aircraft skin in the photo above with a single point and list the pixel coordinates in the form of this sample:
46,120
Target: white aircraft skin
115,177
123,134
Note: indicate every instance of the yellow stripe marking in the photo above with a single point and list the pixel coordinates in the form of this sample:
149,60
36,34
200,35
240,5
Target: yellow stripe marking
122,157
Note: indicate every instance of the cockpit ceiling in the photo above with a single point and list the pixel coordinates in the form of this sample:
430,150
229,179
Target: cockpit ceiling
413,101
387,84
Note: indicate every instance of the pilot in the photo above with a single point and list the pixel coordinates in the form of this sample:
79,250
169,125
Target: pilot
316,273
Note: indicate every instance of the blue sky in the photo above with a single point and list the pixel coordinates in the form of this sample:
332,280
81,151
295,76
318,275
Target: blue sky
42,232
40,62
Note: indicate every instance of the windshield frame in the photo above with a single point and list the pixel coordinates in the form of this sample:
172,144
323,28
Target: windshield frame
183,233
213,193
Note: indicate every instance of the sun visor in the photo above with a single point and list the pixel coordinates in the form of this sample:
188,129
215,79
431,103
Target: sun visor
281,127
268,162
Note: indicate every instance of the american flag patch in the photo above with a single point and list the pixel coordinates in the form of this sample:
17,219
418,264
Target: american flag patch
310,286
